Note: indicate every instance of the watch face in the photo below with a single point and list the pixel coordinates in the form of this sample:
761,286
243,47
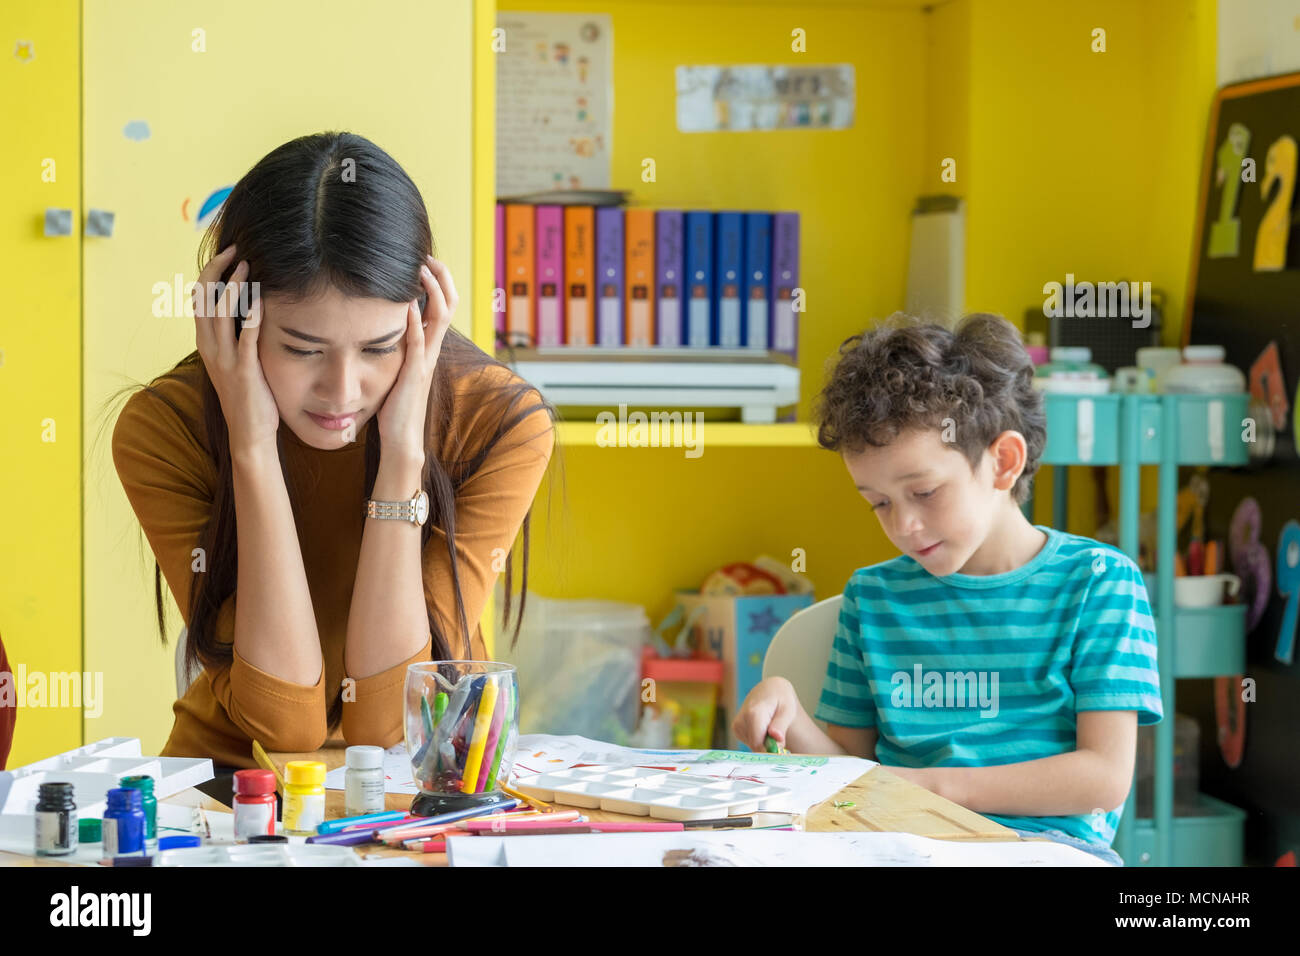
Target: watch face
422,506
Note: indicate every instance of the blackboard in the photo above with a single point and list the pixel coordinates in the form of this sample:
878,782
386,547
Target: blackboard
1233,303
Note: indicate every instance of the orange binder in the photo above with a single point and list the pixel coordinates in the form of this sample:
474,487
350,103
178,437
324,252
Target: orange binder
579,284
639,237
520,275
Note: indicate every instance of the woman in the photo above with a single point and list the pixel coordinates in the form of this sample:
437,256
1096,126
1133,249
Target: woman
250,464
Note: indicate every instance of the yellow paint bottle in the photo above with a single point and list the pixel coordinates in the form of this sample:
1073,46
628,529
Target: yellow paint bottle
304,797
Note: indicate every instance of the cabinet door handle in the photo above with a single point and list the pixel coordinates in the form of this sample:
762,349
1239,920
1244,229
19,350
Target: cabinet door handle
58,222
99,222
1084,430
1215,415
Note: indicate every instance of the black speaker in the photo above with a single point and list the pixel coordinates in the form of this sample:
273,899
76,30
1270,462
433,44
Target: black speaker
1112,338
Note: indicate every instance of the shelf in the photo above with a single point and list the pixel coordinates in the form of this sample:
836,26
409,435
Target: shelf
1088,429
706,434
1209,642
1212,837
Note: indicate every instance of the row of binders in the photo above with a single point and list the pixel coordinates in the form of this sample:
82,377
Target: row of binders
608,276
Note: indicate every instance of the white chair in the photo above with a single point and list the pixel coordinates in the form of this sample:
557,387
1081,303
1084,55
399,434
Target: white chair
183,679
801,649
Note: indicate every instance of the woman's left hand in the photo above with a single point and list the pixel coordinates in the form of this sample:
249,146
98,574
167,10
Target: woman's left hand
402,416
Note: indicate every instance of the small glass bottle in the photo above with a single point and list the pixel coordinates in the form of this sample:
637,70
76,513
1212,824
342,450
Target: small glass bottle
123,823
56,820
254,804
363,781
304,797
148,803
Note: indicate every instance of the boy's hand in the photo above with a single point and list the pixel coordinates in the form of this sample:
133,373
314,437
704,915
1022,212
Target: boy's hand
770,708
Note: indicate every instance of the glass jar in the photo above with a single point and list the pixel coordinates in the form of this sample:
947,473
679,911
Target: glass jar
462,723
56,820
304,796
363,781
148,803
254,804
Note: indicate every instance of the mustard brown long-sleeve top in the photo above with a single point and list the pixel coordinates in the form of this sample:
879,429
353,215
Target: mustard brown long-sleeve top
169,478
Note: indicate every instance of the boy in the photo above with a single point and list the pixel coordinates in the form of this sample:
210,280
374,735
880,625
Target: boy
1002,665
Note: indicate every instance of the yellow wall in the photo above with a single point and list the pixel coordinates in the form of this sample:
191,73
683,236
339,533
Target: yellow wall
1070,161
40,364
1081,162
638,522
271,72
1067,163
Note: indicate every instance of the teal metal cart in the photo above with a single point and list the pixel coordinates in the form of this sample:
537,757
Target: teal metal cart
1166,431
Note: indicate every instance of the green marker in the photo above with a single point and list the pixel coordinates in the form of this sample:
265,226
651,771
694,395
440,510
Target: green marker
773,747
439,706
490,783
428,717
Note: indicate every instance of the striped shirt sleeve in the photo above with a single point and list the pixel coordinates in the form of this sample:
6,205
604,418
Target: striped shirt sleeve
1113,666
846,694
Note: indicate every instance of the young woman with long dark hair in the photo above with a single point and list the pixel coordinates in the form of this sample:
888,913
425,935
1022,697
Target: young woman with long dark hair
263,466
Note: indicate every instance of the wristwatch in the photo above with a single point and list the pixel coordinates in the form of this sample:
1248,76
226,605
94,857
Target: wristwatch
415,511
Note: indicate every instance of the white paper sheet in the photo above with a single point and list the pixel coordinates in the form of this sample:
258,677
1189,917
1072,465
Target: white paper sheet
810,779
755,848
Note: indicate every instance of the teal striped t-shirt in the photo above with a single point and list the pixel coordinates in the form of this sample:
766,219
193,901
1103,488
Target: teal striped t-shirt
979,670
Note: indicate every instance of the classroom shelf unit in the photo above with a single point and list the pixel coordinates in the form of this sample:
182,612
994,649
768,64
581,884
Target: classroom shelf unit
1167,431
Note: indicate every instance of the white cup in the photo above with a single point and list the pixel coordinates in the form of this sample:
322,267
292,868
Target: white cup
1204,590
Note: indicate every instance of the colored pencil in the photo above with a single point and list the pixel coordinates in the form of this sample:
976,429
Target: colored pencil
454,816
482,724
490,750
531,801
507,827
349,823
423,833
502,734
266,763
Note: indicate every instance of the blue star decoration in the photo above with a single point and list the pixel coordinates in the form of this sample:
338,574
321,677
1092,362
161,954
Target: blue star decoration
765,621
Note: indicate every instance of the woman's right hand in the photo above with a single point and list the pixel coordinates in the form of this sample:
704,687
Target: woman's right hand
252,417
770,708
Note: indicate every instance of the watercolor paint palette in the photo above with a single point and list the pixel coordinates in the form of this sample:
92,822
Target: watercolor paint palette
661,794
260,854
95,769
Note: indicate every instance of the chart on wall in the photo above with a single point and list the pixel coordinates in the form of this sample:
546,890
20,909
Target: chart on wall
1244,294
555,98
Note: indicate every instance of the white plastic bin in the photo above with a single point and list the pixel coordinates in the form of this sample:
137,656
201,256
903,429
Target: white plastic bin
579,665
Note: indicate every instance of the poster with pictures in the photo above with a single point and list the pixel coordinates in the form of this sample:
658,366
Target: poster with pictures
717,98
555,99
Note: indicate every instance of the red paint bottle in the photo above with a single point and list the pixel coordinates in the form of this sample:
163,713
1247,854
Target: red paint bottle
254,803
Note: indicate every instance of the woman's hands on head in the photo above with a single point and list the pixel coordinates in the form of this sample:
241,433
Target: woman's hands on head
232,363
402,417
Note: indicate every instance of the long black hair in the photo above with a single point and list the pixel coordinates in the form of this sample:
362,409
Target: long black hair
333,209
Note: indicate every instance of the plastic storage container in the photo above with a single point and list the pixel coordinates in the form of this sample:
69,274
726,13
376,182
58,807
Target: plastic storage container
1203,372
1071,370
686,690
579,666
1187,743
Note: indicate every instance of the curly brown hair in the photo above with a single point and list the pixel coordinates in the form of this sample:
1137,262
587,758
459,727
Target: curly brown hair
908,374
